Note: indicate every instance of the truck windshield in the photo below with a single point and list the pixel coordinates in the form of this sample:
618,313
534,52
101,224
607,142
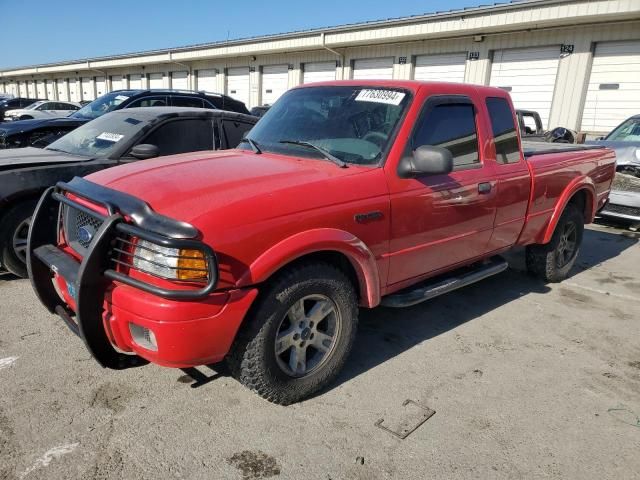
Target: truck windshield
629,131
354,124
99,138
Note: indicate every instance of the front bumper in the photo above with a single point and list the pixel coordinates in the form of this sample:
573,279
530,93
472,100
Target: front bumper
622,206
109,309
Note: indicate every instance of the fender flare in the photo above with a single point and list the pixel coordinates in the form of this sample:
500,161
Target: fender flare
320,240
580,183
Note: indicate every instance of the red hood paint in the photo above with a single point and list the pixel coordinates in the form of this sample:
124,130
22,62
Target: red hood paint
248,186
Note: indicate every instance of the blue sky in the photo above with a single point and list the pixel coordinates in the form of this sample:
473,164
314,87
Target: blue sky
44,31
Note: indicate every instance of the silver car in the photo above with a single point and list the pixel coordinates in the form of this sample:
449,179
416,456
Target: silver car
624,200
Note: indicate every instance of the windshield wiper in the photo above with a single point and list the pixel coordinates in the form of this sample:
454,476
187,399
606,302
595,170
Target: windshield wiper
253,143
325,153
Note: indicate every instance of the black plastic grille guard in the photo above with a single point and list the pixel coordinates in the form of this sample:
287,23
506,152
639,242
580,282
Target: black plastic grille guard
43,257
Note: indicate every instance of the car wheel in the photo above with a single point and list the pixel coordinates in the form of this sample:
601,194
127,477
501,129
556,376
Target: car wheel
14,230
553,261
298,335
26,117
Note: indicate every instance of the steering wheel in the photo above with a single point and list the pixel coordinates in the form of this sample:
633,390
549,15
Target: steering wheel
376,138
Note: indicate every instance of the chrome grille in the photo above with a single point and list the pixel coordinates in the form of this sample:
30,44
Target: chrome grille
80,228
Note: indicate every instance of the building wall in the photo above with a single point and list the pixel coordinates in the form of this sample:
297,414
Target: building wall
396,41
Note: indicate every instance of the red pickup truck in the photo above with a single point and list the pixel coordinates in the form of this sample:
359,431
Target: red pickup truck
345,194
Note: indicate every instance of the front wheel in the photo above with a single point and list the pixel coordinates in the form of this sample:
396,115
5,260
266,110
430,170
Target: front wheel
25,117
14,231
298,336
553,261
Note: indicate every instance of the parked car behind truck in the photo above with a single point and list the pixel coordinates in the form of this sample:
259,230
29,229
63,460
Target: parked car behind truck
40,133
624,202
119,137
345,194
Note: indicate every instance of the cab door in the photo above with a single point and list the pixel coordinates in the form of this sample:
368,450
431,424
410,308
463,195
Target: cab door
439,221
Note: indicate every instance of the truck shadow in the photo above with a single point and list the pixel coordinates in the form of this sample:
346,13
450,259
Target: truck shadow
385,332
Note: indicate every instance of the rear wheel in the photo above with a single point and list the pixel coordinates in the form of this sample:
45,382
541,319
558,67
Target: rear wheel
553,261
14,231
298,335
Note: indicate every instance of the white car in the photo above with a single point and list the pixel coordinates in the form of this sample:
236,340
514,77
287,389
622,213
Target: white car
43,109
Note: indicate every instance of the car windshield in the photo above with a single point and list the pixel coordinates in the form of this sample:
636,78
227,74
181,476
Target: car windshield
629,131
102,105
34,105
100,137
354,124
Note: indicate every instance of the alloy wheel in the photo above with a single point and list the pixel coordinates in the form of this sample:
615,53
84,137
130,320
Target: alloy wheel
307,335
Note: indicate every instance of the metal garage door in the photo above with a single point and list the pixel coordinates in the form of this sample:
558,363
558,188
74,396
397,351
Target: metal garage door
87,89
135,81
449,67
206,80
74,90
319,72
373,68
614,86
31,89
117,82
275,81
51,90
156,80
42,92
529,74
180,80
101,86
63,91
238,84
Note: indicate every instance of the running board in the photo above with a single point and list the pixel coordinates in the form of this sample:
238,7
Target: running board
427,291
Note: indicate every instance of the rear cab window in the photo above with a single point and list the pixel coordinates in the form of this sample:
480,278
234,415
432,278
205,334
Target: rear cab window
450,122
504,132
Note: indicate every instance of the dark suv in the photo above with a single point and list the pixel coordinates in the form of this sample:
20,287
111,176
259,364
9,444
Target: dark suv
14,103
40,133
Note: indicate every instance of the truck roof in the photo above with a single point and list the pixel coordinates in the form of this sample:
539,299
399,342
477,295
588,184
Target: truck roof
412,85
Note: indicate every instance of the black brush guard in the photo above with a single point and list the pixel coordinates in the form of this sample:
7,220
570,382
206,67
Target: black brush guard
92,276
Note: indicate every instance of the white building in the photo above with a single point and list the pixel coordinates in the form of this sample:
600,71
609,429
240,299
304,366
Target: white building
577,62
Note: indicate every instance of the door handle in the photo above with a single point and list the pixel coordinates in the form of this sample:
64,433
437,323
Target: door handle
484,188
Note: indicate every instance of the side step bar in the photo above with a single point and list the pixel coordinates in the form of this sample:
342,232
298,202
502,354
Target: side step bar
427,291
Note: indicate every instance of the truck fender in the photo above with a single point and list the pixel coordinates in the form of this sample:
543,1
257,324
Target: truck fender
320,240
580,183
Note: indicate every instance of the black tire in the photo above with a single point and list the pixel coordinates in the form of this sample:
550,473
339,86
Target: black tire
552,261
26,117
253,359
11,259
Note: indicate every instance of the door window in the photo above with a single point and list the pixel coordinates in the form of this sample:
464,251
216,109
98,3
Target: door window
451,126
182,135
186,102
149,102
504,130
234,131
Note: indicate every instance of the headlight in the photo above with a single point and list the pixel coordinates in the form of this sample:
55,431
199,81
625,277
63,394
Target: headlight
172,263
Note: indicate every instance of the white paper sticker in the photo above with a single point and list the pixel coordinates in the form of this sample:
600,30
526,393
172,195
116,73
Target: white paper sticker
390,97
110,137
122,98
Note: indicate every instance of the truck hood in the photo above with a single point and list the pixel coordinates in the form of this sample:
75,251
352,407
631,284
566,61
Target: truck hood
232,187
14,158
627,153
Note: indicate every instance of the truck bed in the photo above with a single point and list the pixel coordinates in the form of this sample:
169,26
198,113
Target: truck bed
532,148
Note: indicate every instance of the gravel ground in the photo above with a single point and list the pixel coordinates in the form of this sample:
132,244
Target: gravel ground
527,381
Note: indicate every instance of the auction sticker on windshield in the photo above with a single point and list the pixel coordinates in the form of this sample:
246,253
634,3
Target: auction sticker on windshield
110,137
390,97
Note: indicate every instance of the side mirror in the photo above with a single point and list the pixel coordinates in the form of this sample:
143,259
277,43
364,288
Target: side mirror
144,151
426,160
